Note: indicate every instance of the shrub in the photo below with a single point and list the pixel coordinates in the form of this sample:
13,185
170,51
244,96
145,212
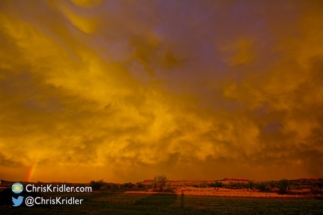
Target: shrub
319,184
284,185
239,185
250,185
168,187
114,186
128,185
216,184
236,185
204,185
273,184
96,185
231,185
315,190
140,185
219,184
212,185
159,182
263,186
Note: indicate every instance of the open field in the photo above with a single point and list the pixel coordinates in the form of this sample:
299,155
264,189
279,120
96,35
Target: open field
119,202
224,192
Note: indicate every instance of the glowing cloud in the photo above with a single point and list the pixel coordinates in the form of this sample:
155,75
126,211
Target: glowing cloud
123,90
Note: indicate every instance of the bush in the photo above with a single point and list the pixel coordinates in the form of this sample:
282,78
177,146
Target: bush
114,186
212,185
169,187
273,184
284,185
159,182
128,185
140,185
251,185
204,185
319,184
96,185
263,186
219,184
239,185
216,184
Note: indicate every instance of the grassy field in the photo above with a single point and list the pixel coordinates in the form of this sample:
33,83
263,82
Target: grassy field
108,202
225,192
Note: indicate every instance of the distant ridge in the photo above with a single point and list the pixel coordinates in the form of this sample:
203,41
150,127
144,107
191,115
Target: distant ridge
200,181
183,181
229,180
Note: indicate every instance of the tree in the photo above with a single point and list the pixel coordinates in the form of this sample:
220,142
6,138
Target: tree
204,185
251,185
263,186
96,185
128,185
284,185
319,184
219,184
159,182
139,185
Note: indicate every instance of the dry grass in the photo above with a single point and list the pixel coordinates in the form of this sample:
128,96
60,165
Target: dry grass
224,192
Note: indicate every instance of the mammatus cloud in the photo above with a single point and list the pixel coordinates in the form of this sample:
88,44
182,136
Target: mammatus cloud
123,90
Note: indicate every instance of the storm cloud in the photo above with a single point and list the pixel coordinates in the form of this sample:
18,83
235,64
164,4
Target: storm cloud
124,90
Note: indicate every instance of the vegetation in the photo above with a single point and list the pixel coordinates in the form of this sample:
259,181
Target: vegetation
251,185
140,185
218,184
159,183
263,186
96,185
204,185
106,202
319,185
128,185
115,201
284,186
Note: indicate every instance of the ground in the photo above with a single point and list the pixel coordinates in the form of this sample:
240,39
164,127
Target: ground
119,202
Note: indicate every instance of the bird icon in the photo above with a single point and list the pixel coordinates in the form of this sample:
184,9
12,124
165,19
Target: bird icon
17,201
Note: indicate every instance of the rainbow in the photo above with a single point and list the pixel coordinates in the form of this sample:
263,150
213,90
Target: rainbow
31,171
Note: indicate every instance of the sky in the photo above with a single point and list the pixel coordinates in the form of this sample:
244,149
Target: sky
125,90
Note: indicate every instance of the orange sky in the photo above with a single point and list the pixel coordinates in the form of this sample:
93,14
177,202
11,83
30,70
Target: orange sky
125,90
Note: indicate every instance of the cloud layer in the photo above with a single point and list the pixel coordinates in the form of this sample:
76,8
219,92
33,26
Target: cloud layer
123,90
